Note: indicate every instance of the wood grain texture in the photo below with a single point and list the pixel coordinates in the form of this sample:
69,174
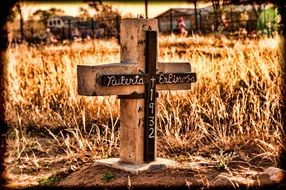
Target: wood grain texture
88,86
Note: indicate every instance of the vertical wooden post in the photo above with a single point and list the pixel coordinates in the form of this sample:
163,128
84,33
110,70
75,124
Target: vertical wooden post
131,130
171,21
132,42
150,118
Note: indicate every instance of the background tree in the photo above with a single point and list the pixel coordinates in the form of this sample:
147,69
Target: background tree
19,10
83,13
217,12
15,12
12,16
107,16
102,10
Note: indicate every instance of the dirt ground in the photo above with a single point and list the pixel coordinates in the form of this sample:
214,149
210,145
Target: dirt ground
52,168
183,176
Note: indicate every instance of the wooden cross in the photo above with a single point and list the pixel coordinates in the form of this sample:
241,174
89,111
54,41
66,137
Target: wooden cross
136,80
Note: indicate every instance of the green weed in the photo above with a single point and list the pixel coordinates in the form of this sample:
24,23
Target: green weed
108,176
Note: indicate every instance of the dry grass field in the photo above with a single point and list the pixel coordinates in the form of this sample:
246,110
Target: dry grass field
232,114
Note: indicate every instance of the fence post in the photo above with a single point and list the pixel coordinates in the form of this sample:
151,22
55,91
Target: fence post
92,27
21,23
118,28
231,20
63,33
32,32
201,24
22,28
171,21
146,8
196,17
69,30
216,19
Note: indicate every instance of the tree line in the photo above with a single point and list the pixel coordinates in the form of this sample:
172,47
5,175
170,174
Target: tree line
95,10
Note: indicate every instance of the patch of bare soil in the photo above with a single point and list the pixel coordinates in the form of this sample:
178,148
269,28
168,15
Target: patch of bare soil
39,160
184,176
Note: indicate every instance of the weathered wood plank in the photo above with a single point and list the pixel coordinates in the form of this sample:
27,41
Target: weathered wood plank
132,39
87,77
150,96
131,130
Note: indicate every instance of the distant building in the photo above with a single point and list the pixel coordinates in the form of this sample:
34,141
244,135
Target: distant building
73,27
207,19
62,21
168,20
174,14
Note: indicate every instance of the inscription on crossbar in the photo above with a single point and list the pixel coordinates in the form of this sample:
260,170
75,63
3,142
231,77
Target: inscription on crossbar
131,79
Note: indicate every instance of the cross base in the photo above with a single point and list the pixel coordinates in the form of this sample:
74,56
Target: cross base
157,165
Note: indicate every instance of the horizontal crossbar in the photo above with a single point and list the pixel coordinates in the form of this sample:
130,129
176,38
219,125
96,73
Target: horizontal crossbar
88,78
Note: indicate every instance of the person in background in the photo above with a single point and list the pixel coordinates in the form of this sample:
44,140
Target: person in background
182,27
224,22
50,37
